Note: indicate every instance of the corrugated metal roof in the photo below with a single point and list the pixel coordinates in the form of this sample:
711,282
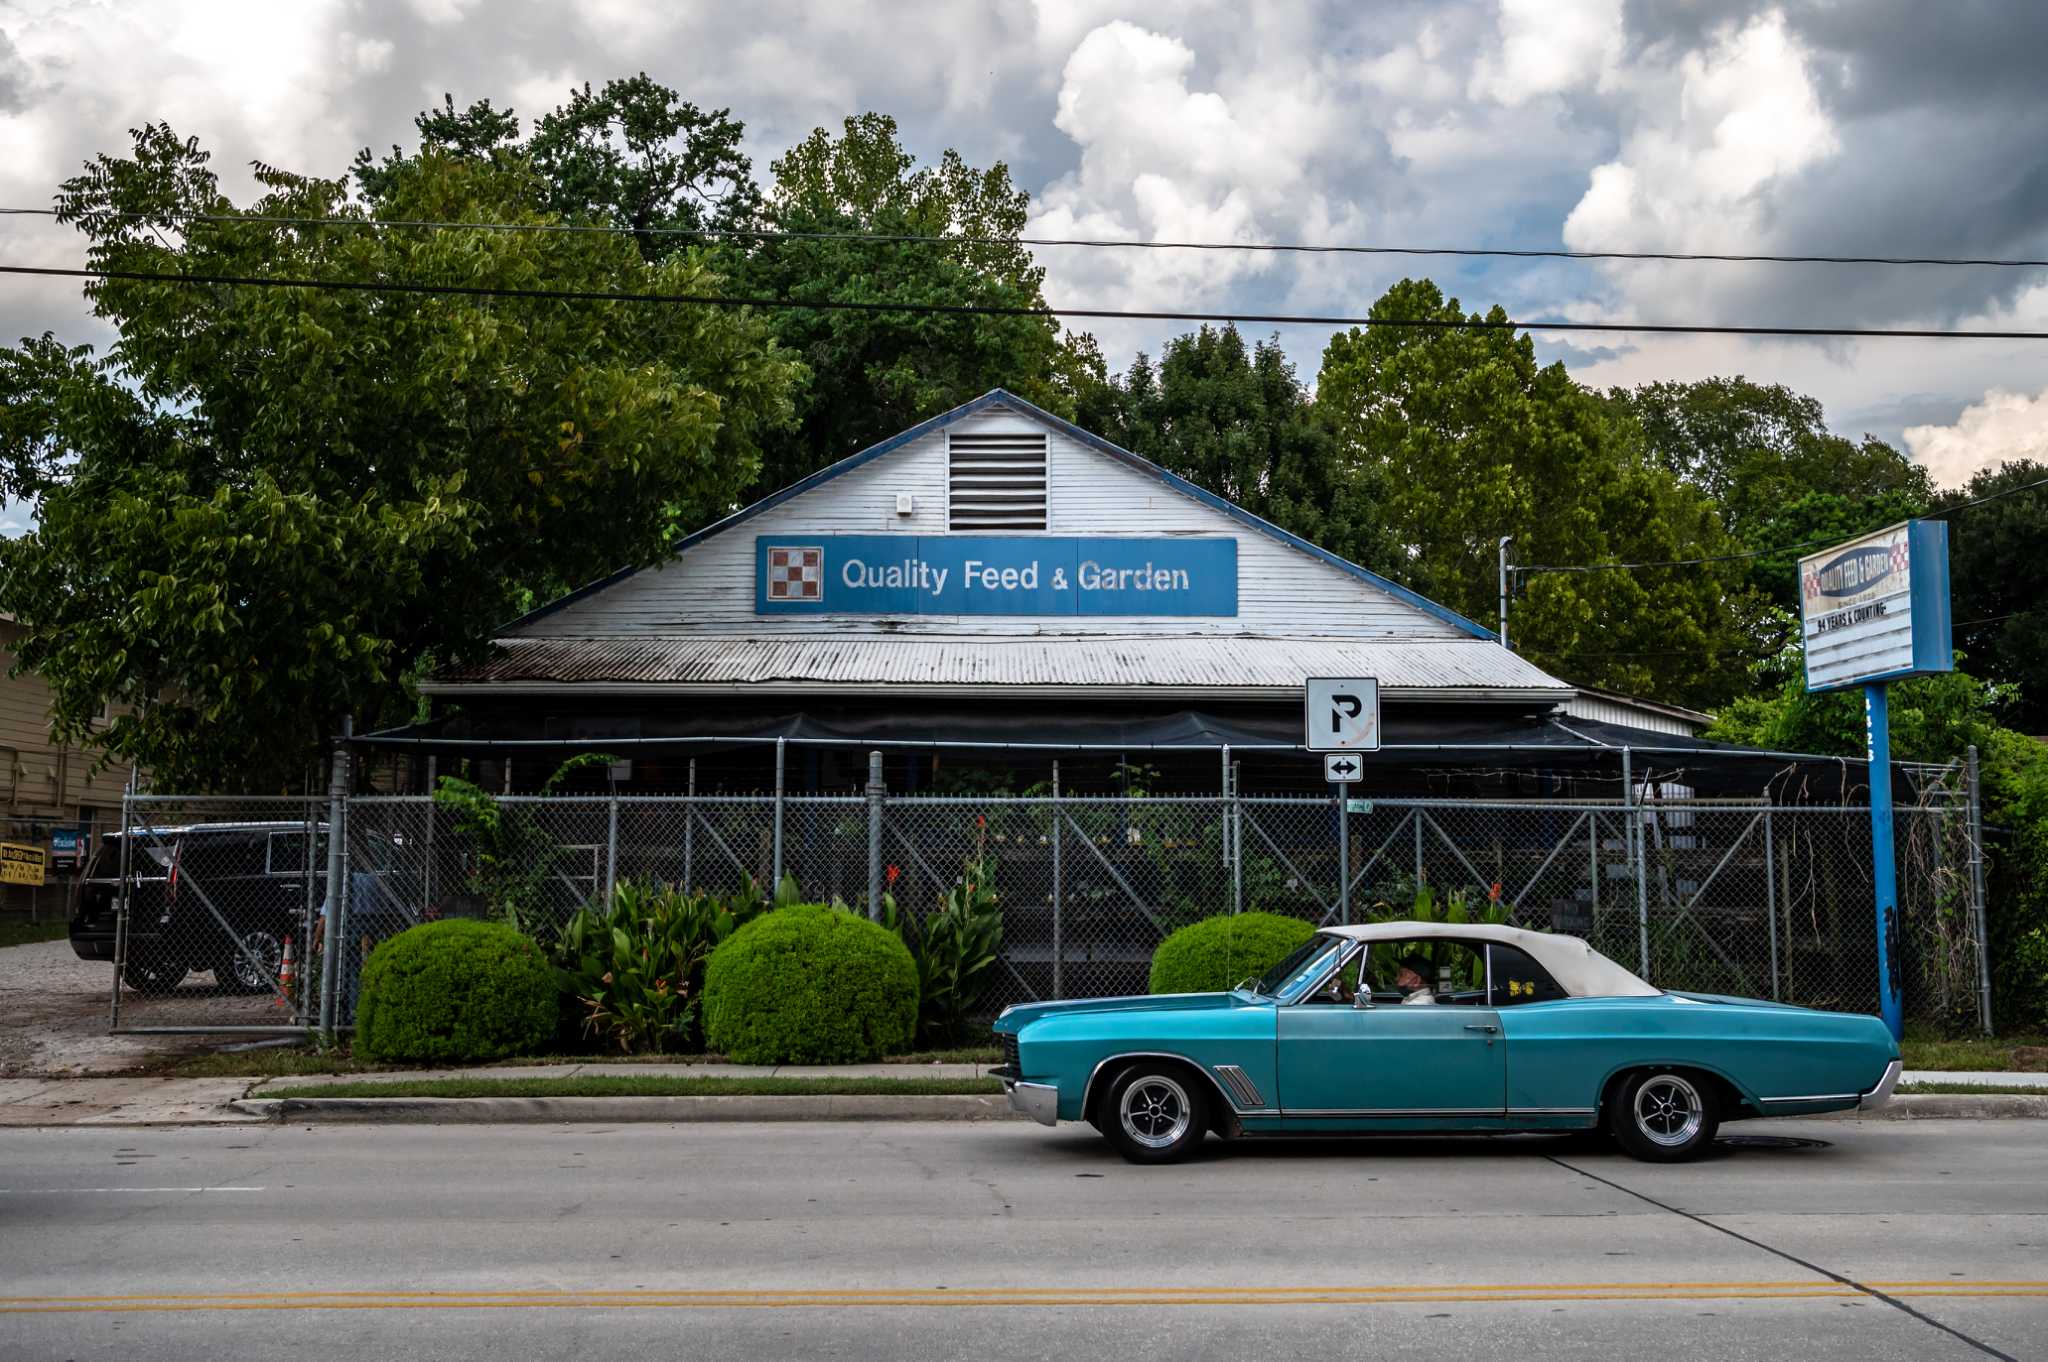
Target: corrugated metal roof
1203,663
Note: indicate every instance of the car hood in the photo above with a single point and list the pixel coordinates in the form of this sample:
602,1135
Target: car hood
1022,1015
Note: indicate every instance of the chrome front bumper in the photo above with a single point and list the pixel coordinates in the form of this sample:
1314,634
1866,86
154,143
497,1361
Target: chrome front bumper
1039,1101
1882,1093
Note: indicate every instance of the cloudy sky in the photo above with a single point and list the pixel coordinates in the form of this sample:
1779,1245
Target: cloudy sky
1814,126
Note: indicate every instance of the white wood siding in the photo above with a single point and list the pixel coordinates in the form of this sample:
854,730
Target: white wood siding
1603,710
709,588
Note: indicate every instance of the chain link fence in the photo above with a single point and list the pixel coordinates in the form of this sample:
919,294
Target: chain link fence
198,898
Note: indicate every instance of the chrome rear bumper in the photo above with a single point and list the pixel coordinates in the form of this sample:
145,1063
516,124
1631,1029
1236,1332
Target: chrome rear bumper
1039,1101
1882,1093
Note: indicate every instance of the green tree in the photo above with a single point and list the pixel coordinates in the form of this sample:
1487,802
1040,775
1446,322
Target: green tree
632,154
1998,564
1779,477
265,506
1476,440
1237,422
872,374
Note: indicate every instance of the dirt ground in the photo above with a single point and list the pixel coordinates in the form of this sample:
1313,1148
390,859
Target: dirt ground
54,1012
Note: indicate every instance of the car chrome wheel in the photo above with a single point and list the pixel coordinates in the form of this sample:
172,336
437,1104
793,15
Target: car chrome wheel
244,974
1669,1110
1154,1111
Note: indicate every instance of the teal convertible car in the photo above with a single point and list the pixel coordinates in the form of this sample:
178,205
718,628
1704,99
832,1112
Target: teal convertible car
1412,1026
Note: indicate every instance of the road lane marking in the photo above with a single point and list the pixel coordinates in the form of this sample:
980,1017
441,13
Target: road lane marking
922,1297
101,1190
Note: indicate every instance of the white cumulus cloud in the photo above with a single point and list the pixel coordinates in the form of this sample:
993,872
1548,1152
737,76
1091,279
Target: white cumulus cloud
2004,426
1548,47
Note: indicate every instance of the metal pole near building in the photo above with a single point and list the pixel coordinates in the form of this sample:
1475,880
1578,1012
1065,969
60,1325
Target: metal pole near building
1977,915
1236,837
781,785
1771,896
611,846
121,901
331,945
1637,863
1059,836
1883,861
1223,812
875,792
690,828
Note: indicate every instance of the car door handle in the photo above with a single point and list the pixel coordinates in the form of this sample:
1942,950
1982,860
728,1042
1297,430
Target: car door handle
1481,1026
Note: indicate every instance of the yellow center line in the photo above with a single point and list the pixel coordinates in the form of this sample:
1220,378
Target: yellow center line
920,1297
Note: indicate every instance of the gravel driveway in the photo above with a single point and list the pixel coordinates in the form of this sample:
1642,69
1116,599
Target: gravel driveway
53,1015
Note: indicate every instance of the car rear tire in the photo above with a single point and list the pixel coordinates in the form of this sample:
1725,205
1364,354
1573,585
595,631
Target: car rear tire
234,971
1153,1113
152,972
1664,1116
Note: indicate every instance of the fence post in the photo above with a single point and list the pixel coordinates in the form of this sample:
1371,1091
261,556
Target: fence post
1223,810
1637,859
875,792
781,769
332,943
690,828
1059,836
1771,895
121,902
611,847
1238,838
1977,902
427,876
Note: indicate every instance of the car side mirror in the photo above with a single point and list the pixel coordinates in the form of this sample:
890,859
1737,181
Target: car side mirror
1363,998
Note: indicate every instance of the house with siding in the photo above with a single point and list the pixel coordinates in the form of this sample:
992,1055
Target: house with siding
1000,577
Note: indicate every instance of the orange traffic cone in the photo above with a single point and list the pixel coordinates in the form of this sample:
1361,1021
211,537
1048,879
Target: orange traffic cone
286,976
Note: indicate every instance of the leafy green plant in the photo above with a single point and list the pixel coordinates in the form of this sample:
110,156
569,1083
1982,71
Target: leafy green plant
810,984
956,952
633,972
1455,909
1220,952
512,858
455,991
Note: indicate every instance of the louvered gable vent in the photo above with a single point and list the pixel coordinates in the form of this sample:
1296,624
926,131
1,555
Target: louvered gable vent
996,481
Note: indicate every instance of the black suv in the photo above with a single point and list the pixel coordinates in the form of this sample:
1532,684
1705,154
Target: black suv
263,882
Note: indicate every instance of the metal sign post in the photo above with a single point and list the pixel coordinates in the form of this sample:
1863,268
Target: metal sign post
1872,611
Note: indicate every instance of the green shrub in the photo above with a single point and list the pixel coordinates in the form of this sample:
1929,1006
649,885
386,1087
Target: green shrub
810,984
633,974
1221,952
955,950
456,990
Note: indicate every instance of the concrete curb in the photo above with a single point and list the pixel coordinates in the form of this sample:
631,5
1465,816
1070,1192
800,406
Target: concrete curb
964,1107
500,1110
1948,1107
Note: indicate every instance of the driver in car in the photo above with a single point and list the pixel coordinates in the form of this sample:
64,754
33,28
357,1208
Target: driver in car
1413,981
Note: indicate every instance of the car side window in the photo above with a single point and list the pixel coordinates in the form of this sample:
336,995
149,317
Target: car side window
1517,979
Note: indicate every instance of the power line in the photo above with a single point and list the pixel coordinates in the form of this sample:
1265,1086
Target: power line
986,310
1112,243
1994,496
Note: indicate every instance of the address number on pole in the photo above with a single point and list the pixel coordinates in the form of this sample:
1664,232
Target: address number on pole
1342,714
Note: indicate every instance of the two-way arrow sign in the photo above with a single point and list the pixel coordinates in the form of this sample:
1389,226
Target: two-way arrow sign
1341,768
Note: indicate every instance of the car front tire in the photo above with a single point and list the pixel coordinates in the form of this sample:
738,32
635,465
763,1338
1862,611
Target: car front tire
1664,1116
236,973
1153,1114
152,972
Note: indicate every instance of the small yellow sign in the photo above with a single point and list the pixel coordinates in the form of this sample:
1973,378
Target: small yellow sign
22,864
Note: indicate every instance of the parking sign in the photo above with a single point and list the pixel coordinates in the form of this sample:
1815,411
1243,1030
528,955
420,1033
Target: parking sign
1342,714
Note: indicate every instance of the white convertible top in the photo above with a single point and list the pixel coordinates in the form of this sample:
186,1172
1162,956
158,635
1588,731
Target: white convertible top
1579,969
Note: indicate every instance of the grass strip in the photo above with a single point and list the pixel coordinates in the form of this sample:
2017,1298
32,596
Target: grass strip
293,1061
1993,1054
21,932
1970,1090
651,1086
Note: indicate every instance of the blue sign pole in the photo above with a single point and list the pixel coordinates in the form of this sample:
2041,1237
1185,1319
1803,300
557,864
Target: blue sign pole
1884,868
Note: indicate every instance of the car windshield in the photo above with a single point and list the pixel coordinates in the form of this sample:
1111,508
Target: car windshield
1307,961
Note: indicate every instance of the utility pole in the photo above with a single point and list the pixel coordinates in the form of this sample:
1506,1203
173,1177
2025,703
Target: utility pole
1505,540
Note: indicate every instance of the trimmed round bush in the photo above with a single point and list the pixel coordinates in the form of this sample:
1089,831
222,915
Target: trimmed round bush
809,984
1221,952
455,990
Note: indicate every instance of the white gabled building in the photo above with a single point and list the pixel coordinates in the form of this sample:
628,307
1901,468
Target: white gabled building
992,575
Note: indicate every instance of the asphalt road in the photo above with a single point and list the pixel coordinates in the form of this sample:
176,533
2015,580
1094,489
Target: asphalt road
1921,1240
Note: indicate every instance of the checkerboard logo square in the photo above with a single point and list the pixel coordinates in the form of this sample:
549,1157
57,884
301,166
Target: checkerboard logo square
796,574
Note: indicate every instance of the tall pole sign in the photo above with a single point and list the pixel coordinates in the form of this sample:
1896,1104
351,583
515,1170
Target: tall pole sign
1873,611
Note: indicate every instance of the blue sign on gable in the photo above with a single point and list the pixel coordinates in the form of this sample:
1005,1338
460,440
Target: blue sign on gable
907,574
